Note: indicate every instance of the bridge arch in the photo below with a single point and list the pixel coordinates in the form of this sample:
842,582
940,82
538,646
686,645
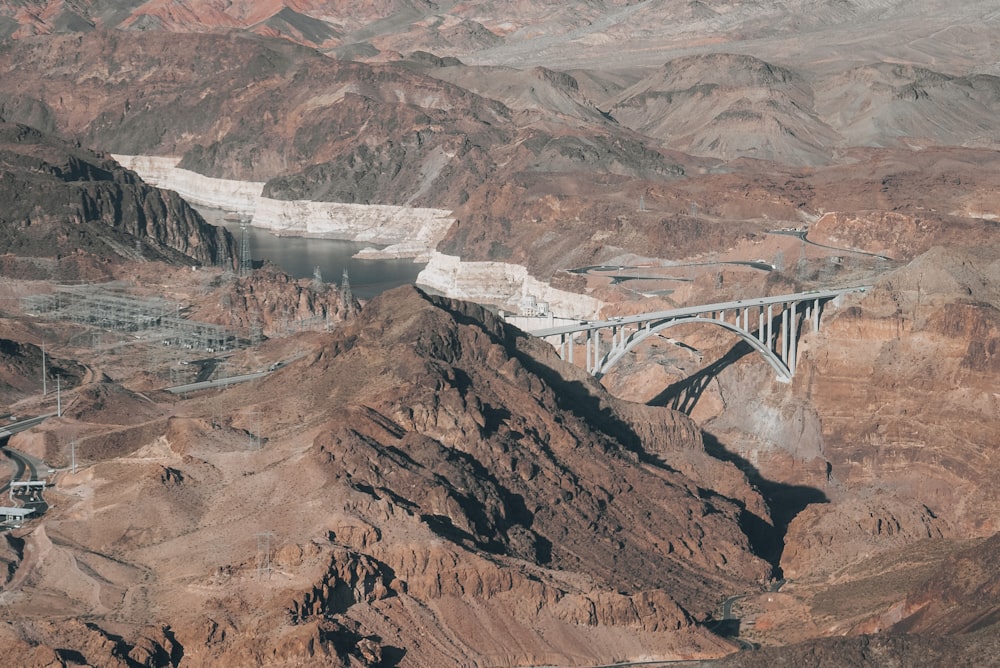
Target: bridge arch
765,340
618,352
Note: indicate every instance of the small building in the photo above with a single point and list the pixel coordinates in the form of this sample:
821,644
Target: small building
529,305
14,516
32,488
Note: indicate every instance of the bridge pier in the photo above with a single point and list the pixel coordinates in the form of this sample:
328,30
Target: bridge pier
792,338
770,319
784,334
779,348
597,350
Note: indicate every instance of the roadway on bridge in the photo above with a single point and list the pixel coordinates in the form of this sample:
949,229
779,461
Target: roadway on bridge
693,311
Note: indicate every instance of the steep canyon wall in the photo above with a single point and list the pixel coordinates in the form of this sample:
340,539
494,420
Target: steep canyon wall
407,231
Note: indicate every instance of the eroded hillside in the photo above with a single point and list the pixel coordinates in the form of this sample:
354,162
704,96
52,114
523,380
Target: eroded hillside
421,468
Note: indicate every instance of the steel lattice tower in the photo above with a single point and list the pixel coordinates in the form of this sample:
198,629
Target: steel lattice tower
345,292
246,263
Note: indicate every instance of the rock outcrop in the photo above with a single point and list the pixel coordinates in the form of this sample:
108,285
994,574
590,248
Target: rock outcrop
60,200
460,496
273,303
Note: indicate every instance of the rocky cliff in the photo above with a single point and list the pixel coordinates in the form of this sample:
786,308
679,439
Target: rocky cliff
430,487
60,200
884,438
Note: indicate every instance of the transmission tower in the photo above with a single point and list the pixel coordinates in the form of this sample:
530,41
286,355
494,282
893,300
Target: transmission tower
345,292
246,263
256,328
264,554
255,438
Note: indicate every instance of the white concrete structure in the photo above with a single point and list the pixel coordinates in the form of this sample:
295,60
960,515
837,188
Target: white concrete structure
409,232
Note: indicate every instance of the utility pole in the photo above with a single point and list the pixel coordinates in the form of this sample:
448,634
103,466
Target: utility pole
264,554
58,398
255,442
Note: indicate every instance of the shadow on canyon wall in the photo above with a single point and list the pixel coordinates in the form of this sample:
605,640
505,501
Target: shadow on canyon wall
684,395
783,500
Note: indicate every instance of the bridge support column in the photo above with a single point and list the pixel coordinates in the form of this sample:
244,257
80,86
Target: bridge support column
572,338
597,351
760,325
784,333
767,324
792,339
815,315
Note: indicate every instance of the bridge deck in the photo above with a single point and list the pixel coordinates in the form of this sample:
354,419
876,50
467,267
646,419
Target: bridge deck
693,311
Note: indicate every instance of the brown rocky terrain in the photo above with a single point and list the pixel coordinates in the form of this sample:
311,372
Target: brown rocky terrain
448,474
275,303
717,145
422,486
61,200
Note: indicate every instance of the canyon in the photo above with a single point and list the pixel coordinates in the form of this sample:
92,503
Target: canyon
414,481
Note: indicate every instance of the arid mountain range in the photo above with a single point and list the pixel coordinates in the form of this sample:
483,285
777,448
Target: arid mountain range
66,201
414,482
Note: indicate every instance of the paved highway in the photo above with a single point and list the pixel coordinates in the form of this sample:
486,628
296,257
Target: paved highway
20,466
25,464
231,380
219,382
14,427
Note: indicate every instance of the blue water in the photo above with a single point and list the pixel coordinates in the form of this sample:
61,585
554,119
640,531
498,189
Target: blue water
298,256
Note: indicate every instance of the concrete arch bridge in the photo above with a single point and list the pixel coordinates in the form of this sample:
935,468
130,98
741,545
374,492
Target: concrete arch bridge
771,325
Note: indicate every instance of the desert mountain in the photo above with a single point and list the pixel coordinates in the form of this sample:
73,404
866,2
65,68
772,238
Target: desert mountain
425,473
529,161
422,485
722,105
60,200
885,101
608,34
321,129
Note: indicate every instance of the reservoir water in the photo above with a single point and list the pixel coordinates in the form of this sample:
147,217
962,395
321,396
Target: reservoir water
298,256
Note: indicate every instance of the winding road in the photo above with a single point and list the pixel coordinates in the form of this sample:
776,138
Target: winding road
24,464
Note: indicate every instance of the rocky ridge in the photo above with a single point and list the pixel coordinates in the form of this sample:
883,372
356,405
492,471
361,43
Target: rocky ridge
528,177
457,476
62,200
